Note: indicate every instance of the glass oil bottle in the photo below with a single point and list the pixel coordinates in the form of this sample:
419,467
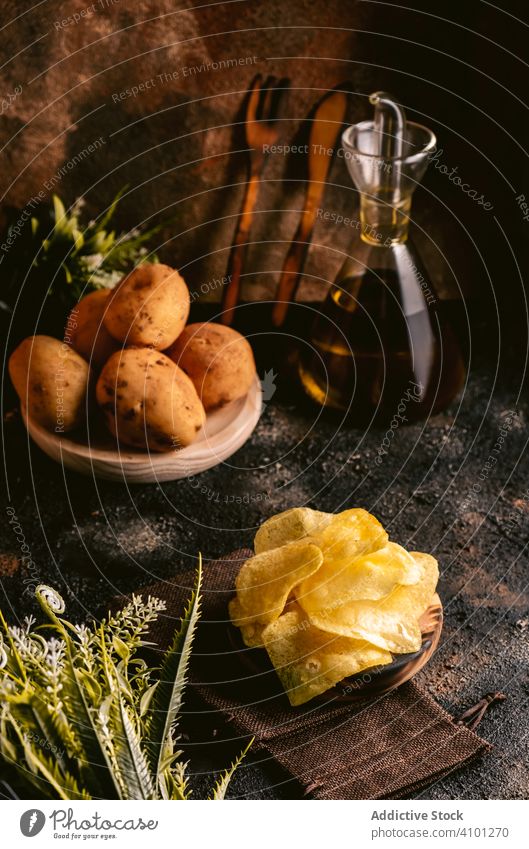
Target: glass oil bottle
380,340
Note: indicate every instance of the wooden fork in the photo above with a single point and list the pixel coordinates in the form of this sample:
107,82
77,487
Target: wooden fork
262,129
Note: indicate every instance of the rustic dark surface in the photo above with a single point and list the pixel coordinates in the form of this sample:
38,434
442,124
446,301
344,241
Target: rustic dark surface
95,539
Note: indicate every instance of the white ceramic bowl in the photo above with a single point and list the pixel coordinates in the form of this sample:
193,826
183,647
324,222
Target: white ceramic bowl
225,431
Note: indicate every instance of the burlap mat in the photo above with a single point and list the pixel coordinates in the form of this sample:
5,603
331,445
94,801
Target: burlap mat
390,748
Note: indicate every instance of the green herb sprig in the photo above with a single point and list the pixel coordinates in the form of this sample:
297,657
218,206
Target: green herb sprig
82,715
54,254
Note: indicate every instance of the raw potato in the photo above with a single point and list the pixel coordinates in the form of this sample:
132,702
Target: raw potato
85,330
52,381
218,360
148,402
149,307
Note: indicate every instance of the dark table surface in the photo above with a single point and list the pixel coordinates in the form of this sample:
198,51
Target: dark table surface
435,490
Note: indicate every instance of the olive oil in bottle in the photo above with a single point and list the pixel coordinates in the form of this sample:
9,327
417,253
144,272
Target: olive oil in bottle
380,340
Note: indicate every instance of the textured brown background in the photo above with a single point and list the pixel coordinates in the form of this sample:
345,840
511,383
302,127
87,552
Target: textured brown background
172,143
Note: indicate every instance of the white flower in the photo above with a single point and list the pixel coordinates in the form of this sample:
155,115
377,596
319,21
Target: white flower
92,261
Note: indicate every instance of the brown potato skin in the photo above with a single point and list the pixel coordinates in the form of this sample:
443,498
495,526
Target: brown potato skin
218,360
148,402
52,381
149,307
85,330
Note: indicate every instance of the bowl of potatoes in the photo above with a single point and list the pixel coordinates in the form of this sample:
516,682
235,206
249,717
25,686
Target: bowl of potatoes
133,392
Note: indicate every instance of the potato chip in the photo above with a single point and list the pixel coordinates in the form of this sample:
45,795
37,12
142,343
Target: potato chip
266,580
392,622
341,545
289,526
369,577
364,526
309,661
250,632
252,635
329,596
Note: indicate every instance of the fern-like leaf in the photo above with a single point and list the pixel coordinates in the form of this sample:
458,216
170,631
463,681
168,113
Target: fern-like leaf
167,700
136,754
44,772
62,779
38,723
127,750
219,791
83,717
176,783
94,765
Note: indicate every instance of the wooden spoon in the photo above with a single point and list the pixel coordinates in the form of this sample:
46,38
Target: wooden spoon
327,123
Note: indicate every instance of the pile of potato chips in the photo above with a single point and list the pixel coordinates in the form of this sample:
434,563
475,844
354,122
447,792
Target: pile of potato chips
328,596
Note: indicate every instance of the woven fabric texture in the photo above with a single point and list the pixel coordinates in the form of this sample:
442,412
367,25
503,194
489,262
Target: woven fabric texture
389,748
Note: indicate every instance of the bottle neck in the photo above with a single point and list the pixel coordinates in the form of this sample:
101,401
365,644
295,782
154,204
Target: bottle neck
384,223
